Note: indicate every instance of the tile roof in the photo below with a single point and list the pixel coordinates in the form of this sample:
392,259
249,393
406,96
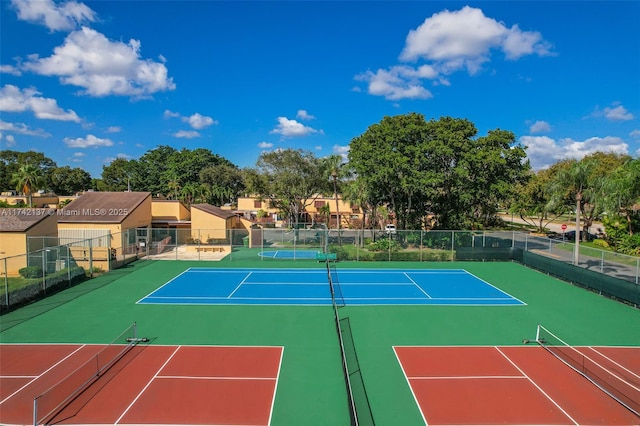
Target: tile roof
216,211
102,207
21,219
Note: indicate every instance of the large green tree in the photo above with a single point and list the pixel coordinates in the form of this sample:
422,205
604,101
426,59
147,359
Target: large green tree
224,183
68,181
622,189
531,202
417,167
11,161
120,175
290,179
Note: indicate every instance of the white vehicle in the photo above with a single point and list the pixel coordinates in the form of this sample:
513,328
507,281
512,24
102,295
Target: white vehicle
390,229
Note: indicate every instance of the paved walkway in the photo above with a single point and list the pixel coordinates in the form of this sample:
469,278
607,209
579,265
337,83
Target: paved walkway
553,226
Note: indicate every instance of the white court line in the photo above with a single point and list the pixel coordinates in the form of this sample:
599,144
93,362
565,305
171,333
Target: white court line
216,378
275,386
416,284
147,385
491,285
463,377
614,362
239,285
415,397
43,373
536,385
167,283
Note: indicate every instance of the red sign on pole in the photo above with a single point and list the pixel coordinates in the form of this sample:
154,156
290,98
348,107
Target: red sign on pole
563,226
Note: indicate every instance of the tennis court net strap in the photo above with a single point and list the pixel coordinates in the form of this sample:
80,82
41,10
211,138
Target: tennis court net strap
613,383
58,396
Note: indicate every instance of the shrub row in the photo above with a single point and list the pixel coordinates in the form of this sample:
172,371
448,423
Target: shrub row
32,287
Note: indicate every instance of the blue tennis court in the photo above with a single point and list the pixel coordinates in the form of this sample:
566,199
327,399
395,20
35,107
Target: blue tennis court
226,286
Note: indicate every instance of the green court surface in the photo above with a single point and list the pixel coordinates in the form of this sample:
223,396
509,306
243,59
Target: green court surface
311,387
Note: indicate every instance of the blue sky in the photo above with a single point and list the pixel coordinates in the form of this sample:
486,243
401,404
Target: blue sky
87,82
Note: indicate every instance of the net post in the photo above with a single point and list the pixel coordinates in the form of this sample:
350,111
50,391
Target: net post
538,333
35,411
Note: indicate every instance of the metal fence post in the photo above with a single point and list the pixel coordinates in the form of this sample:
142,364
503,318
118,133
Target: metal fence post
6,282
453,241
91,257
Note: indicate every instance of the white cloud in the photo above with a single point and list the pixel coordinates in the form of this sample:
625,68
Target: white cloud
343,151
540,127
304,115
292,128
12,99
635,133
88,142
449,42
114,129
103,67
618,113
10,69
55,16
22,129
10,140
265,145
186,134
399,82
464,39
77,157
170,114
198,121
543,151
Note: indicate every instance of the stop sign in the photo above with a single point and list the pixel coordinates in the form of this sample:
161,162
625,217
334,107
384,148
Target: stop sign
563,226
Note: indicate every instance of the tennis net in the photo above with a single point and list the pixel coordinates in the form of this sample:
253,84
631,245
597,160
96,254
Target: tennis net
613,379
58,396
359,407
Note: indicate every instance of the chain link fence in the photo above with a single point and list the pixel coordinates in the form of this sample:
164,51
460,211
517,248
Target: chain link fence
63,262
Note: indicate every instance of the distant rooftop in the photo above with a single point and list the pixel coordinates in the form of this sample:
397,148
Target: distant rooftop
216,211
102,207
20,220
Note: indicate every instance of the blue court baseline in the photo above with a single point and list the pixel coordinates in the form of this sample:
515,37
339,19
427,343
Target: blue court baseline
222,286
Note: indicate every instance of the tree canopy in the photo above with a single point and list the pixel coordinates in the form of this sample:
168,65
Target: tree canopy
437,167
290,179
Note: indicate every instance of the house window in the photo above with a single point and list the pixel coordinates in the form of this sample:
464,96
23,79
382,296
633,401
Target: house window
319,204
355,209
257,204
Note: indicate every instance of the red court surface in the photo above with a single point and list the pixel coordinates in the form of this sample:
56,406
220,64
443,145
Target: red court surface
515,385
204,385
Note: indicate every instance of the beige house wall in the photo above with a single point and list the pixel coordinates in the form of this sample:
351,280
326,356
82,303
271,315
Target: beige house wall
173,210
13,245
49,201
206,225
250,203
347,210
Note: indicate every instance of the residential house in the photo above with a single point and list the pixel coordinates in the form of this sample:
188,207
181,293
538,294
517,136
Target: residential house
117,223
23,231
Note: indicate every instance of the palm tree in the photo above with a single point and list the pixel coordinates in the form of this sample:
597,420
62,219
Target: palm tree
28,178
576,180
334,168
